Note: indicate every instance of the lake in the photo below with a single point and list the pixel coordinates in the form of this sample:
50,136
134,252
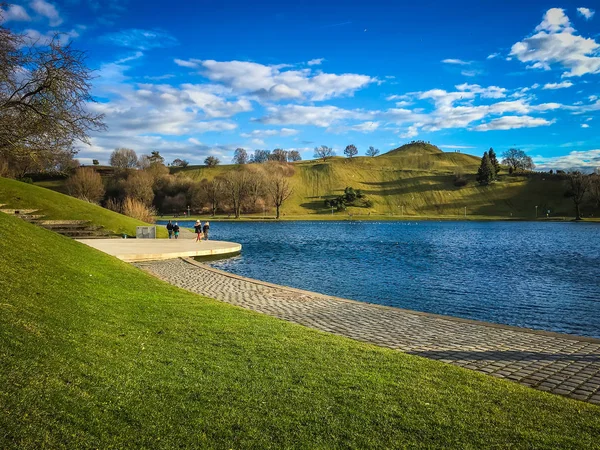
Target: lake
537,275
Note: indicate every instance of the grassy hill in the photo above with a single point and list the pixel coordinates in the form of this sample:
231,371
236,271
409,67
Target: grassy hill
97,354
418,179
54,205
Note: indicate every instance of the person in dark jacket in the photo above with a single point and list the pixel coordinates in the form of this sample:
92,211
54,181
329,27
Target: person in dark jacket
170,229
198,230
176,230
205,229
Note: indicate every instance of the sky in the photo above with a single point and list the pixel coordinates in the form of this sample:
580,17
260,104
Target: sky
197,78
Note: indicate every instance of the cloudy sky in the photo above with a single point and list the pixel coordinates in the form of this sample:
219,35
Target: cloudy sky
199,78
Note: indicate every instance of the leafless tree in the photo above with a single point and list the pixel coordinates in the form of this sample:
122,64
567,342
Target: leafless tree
236,184
279,154
578,184
123,158
279,190
294,155
44,99
323,152
372,151
138,186
517,160
211,161
240,156
350,151
209,192
86,184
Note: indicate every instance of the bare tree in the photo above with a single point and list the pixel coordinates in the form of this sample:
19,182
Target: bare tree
209,192
86,184
294,155
211,161
240,156
44,99
595,187
139,186
578,185
279,189
323,152
372,151
123,158
178,162
517,160
260,156
279,154
236,184
351,151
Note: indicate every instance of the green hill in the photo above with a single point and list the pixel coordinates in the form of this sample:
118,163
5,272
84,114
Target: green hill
418,180
56,206
97,354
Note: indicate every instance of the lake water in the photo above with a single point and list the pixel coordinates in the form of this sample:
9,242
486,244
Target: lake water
537,275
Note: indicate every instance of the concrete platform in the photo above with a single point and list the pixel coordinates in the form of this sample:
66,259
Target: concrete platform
133,250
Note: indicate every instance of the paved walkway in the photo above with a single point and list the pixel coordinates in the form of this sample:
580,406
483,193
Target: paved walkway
560,364
132,250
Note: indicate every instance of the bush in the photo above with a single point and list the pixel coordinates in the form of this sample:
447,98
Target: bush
136,209
86,184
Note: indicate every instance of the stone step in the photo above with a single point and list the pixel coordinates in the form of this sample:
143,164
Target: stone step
18,212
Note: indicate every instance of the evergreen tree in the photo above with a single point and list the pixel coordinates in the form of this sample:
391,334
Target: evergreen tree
495,163
486,173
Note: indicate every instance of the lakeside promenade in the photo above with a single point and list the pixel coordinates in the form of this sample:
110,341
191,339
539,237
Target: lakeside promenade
561,364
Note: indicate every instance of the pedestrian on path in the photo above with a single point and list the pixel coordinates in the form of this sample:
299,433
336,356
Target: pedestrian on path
170,229
176,230
198,230
205,229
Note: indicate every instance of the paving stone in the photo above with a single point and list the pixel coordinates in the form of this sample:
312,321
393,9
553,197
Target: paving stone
564,365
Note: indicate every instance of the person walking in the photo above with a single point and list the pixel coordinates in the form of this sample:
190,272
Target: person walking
176,230
205,229
170,229
198,230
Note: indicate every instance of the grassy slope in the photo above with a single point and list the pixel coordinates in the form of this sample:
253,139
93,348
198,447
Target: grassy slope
54,205
96,353
419,178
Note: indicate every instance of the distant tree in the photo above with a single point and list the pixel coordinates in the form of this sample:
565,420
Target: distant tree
212,192
180,163
95,162
86,184
260,156
372,151
485,174
578,184
279,190
123,158
240,156
595,187
235,183
155,158
139,186
494,161
211,161
350,151
294,155
323,152
279,154
517,160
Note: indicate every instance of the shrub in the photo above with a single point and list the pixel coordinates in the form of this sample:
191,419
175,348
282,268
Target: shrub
86,184
138,210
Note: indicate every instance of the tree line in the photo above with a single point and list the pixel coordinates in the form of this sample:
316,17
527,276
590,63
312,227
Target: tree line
144,187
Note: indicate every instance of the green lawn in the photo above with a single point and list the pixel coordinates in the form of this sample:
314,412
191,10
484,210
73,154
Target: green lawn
96,354
54,205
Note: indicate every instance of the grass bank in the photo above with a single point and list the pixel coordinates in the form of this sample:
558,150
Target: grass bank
54,205
97,354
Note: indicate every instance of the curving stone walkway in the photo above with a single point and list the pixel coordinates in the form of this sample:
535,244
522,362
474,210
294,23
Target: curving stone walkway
561,364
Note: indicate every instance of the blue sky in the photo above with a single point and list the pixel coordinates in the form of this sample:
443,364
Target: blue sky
199,78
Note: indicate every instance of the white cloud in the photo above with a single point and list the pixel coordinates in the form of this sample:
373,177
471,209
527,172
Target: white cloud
512,122
586,12
585,125
14,13
320,116
274,82
410,132
366,127
487,92
562,85
34,37
555,43
586,161
283,132
141,39
315,62
459,62
493,55
48,10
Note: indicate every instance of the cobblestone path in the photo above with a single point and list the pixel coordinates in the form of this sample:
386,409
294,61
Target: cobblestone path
560,364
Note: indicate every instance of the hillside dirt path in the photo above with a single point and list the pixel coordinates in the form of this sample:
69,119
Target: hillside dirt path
561,364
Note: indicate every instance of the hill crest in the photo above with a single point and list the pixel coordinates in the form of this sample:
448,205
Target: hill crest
415,147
